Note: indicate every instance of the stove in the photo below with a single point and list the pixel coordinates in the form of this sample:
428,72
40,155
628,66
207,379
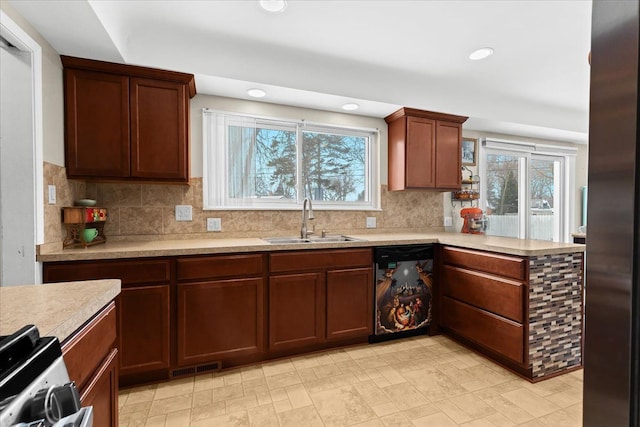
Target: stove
35,390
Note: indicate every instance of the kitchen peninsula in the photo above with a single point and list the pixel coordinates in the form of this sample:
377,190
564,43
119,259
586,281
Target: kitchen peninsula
82,315
518,302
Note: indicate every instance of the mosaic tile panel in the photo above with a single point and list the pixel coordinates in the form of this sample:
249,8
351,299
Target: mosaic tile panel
555,313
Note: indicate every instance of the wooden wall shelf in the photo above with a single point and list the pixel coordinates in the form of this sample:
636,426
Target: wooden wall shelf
78,219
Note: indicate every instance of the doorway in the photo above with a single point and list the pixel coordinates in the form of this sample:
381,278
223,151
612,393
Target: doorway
21,204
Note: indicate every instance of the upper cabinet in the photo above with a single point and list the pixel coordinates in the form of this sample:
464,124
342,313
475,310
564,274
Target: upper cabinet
424,150
126,123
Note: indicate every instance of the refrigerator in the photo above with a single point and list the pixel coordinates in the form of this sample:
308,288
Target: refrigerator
612,318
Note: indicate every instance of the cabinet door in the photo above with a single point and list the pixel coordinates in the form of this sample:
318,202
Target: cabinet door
143,329
296,315
96,124
421,135
159,138
448,152
219,319
102,392
349,303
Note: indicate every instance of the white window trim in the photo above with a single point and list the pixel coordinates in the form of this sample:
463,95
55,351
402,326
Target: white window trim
214,197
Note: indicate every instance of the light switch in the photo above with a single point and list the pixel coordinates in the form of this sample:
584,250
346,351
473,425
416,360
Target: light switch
448,221
371,222
184,213
52,194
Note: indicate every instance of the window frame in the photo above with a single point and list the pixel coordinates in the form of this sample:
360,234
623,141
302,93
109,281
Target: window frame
215,163
528,151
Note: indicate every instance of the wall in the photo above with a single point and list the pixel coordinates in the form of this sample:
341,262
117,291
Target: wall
581,166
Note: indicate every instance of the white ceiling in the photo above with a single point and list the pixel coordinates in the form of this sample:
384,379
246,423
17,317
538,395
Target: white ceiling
379,54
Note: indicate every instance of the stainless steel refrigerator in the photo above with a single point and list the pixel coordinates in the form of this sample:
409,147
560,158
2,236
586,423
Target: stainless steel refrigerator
612,318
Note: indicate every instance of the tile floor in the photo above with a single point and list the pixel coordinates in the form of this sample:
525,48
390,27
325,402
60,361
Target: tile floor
425,381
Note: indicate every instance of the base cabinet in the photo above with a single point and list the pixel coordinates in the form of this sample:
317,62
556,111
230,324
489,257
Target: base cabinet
296,316
91,357
348,313
316,297
143,329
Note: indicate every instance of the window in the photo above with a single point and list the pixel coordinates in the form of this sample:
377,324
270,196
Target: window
526,190
263,163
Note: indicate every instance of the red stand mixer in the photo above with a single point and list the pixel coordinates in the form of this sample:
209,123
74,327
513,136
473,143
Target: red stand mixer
474,221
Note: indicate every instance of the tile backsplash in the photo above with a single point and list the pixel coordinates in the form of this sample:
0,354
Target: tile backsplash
146,211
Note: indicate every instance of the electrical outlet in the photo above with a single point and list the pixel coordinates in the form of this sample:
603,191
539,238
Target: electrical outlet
214,224
371,222
448,221
184,213
52,194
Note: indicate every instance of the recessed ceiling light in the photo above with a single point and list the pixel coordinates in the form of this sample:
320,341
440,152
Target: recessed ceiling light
273,6
257,93
350,106
481,53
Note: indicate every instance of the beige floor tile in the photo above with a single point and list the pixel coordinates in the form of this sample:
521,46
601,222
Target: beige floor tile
568,397
473,406
236,419
264,398
575,411
125,419
307,374
227,392
298,396
370,423
396,420
307,417
436,420
344,379
548,387
157,421
231,378
499,420
207,382
179,418
277,367
421,411
371,393
374,361
252,373
560,418
263,416
304,362
504,406
405,396
342,406
171,404
282,406
478,423
135,407
202,398
240,403
360,352
209,411
435,385
174,388
392,375
279,394
531,402
325,371
283,380
453,411
141,394
385,409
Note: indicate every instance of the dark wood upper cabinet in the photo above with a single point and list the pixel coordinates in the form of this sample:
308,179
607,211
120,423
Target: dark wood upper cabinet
424,150
125,122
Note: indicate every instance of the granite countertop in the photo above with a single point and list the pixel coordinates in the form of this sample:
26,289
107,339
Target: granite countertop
156,248
57,309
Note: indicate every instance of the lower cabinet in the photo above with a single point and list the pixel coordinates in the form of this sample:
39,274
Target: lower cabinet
483,301
144,329
92,363
296,315
220,308
319,296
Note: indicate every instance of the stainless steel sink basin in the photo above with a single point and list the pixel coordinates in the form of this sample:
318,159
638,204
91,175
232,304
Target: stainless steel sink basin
311,239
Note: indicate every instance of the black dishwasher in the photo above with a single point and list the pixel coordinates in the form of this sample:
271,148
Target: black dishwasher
403,291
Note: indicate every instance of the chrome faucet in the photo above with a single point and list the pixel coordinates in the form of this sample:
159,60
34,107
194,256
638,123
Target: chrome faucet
303,230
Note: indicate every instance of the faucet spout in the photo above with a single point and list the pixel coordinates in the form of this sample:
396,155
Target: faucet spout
303,229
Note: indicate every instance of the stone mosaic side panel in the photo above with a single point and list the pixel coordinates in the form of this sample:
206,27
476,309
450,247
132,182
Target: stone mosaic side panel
555,313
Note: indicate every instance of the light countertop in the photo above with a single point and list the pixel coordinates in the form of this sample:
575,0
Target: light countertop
57,309
156,248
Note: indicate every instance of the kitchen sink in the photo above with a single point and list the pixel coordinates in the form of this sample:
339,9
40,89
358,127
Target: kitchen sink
311,239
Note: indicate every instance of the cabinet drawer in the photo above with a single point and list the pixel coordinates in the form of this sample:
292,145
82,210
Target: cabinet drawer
486,329
130,272
502,265
88,347
311,259
500,296
213,267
